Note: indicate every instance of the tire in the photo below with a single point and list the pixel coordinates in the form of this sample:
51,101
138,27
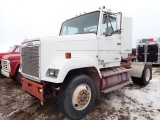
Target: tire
81,87
18,78
146,75
0,70
135,80
1,75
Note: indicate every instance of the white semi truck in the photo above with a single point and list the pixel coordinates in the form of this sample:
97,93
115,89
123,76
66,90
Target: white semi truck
83,62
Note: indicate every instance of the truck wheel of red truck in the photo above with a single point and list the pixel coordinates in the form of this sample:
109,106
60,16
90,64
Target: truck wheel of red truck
18,78
77,96
0,71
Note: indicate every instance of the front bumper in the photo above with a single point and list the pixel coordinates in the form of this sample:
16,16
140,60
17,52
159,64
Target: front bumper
5,73
33,88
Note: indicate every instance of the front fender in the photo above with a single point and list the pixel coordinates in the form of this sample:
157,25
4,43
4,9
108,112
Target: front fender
14,67
65,65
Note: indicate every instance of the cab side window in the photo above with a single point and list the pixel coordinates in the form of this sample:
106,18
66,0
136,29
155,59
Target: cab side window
104,24
112,23
69,30
18,49
108,24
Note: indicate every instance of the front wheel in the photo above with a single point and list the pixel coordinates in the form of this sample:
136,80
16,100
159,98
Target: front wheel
0,70
77,96
18,78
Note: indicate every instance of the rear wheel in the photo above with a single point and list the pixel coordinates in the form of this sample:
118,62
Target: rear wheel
77,96
135,80
146,76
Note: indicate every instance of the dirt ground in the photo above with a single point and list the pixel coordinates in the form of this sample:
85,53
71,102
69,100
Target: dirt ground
15,104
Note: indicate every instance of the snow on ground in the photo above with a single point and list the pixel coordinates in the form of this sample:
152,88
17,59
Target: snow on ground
135,103
131,102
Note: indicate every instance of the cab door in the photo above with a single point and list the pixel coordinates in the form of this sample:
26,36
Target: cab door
109,41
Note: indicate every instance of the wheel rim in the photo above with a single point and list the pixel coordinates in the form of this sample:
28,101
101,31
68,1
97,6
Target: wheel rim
81,97
147,75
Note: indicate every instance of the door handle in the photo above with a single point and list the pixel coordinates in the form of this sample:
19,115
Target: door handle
118,43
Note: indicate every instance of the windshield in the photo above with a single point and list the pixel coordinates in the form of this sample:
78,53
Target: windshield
87,23
11,48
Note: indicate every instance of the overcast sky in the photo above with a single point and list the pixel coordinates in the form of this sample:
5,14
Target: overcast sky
22,19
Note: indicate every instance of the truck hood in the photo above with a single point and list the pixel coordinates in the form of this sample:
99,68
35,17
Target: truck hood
12,57
2,54
66,40
76,37
55,39
53,48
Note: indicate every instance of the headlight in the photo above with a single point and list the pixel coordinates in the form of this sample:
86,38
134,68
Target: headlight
52,72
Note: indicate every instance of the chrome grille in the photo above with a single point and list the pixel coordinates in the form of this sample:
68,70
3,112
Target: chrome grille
4,65
30,60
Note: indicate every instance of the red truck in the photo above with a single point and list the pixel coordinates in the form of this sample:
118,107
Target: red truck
10,67
13,50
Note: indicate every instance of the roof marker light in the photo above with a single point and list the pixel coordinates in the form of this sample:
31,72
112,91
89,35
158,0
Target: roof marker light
150,40
144,40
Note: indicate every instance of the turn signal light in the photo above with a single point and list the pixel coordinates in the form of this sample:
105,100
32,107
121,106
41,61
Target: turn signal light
41,90
68,55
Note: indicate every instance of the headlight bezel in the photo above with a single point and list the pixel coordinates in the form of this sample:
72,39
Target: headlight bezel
51,72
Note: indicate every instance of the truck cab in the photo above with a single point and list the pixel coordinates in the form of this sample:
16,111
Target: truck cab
94,40
13,50
82,62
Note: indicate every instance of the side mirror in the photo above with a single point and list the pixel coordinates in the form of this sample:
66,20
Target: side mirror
119,19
